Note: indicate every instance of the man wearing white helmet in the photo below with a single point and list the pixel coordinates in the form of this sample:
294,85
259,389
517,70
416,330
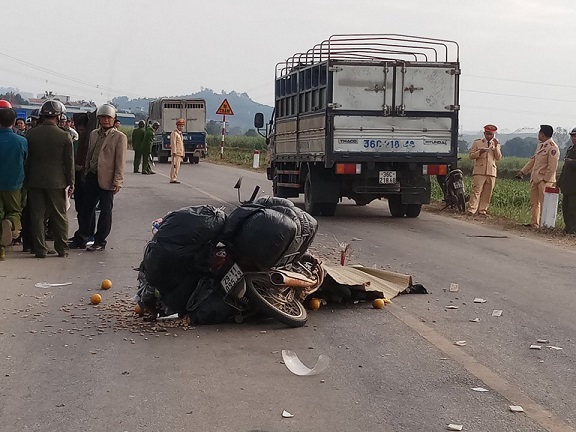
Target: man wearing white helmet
104,176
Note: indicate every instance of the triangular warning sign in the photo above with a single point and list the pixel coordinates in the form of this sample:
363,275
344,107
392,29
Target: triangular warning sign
225,108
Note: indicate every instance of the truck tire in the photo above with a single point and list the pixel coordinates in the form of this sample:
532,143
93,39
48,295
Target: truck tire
328,209
163,159
413,210
194,159
309,205
397,209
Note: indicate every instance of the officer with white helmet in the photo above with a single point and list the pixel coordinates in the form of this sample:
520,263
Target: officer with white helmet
104,177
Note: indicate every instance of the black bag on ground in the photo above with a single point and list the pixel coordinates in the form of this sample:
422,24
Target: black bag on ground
206,305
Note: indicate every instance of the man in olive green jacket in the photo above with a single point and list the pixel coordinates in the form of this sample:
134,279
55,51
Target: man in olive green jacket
49,171
147,143
567,184
137,140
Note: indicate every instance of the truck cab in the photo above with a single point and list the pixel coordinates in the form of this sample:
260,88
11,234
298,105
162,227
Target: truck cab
166,111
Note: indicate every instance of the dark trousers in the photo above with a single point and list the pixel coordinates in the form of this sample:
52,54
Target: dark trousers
26,233
48,204
79,193
92,194
569,212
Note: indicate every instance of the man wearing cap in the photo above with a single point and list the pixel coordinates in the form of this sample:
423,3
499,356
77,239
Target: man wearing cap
485,153
137,139
147,143
177,150
542,168
567,183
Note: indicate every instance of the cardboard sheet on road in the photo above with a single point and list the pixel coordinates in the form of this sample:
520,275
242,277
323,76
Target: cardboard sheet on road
368,279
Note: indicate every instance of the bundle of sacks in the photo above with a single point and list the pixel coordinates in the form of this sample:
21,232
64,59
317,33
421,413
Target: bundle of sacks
176,274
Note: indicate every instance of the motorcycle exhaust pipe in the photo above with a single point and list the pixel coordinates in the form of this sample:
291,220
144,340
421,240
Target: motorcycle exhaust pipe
291,279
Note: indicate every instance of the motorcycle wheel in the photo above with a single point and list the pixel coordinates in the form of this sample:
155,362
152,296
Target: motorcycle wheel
461,201
277,302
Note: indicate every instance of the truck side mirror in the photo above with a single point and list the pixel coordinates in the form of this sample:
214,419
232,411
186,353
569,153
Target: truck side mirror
259,120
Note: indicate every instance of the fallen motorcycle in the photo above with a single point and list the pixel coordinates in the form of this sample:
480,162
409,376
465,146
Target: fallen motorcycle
454,192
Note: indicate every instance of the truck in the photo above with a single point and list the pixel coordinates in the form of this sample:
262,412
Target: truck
166,111
364,117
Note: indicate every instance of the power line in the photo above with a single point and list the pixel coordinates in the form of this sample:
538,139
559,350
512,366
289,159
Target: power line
519,96
464,106
521,81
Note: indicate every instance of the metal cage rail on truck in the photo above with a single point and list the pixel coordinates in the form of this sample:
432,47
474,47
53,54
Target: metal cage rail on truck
365,117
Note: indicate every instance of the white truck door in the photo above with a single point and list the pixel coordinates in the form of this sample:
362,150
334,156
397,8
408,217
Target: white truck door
172,110
362,87
426,88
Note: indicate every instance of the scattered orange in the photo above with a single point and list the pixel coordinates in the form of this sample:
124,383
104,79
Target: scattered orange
138,310
106,284
95,299
378,303
315,304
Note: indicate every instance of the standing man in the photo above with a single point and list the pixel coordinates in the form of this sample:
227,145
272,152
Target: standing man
147,143
104,173
49,171
567,183
485,153
13,150
176,150
137,140
542,168
68,128
20,126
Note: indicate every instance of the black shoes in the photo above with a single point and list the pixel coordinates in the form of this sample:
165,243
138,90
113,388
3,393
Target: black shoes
96,247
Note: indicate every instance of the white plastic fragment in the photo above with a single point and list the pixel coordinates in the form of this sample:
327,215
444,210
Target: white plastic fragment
451,307
453,287
460,343
475,320
479,389
536,347
496,313
479,300
295,366
168,317
553,347
543,341
286,414
516,408
50,285
455,427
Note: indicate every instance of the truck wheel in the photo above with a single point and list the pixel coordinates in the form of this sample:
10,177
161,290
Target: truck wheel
195,160
328,209
309,205
413,210
163,159
397,209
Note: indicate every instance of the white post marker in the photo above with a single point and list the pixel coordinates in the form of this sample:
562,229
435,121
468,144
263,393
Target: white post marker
256,160
550,207
224,110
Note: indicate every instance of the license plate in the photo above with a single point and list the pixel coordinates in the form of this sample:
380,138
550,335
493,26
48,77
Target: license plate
231,278
387,177
458,184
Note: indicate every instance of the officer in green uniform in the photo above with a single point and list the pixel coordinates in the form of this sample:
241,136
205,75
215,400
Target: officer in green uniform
137,139
147,147
49,170
567,184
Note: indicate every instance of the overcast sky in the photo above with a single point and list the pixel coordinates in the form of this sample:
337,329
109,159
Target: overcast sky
518,57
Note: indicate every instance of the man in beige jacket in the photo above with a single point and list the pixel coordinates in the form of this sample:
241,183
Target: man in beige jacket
542,168
104,177
177,150
485,153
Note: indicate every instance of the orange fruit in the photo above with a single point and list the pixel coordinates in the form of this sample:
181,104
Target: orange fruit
378,303
315,304
95,299
138,310
106,284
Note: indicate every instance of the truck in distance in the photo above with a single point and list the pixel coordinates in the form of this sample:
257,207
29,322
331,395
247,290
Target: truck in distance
364,117
166,111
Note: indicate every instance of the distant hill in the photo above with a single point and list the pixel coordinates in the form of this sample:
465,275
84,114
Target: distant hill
244,108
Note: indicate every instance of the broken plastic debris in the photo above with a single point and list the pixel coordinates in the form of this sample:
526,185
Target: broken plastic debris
479,389
49,285
460,343
455,427
168,317
295,366
475,320
453,287
553,347
516,408
451,307
479,300
535,346
286,414
496,313
542,341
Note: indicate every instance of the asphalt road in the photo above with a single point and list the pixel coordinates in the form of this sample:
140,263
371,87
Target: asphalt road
69,366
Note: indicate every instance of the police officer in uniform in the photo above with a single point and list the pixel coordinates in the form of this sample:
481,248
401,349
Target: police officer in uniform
567,183
147,147
485,153
49,170
542,168
137,139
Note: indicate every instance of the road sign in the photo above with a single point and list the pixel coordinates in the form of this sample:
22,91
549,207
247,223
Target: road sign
225,108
